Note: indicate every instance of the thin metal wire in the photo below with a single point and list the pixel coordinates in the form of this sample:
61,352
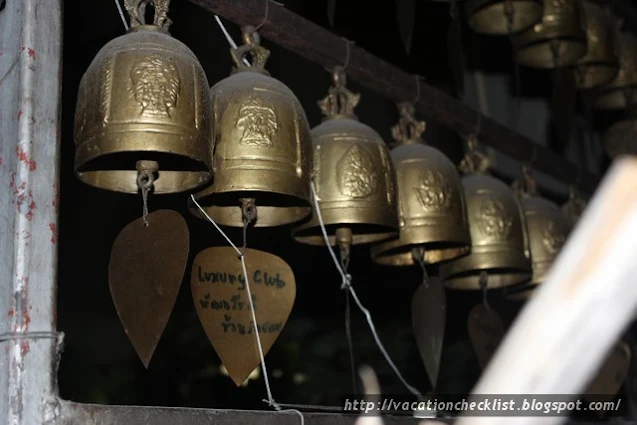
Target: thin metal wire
348,52
347,284
121,14
228,38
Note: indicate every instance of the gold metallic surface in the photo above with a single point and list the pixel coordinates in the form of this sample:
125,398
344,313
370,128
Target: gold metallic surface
352,172
622,91
498,236
558,40
502,17
547,228
621,138
263,147
573,207
144,97
431,206
145,271
600,65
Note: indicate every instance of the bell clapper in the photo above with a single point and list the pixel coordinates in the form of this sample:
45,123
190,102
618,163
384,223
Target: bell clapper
509,12
145,179
344,242
249,215
418,254
484,281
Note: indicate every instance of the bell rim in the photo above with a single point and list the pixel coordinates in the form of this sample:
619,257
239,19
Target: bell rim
612,96
522,293
526,53
357,238
125,181
594,82
477,9
501,278
448,252
231,216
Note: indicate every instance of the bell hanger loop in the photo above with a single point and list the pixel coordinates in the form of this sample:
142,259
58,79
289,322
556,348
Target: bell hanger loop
136,10
474,161
408,130
251,46
145,180
340,101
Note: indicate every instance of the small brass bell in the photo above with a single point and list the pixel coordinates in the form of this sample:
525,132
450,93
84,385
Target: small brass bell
547,230
144,98
499,252
622,91
432,214
558,40
501,17
263,147
353,176
621,138
573,207
600,65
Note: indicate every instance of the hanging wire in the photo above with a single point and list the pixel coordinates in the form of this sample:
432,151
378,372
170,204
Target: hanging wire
346,279
121,14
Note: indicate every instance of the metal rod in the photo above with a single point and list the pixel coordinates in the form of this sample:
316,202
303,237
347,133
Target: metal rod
321,46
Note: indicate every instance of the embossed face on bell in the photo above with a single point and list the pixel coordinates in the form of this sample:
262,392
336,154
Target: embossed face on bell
434,191
493,221
258,123
156,85
358,177
553,237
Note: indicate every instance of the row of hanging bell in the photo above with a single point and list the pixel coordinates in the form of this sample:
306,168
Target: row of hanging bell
499,255
502,17
547,229
353,176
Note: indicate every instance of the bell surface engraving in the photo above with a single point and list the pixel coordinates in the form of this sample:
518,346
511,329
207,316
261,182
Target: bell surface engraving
357,175
492,220
434,192
553,238
258,123
155,85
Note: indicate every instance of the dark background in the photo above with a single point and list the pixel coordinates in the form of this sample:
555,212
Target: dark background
99,364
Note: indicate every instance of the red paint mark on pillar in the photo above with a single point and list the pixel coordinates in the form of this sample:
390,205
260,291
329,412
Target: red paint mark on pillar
31,53
56,200
24,348
54,233
19,114
24,158
11,313
1,161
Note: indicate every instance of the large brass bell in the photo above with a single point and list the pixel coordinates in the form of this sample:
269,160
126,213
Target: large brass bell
353,176
547,230
499,252
502,17
558,40
144,98
263,148
600,65
432,214
622,91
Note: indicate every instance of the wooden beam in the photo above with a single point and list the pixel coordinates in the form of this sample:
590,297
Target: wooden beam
321,46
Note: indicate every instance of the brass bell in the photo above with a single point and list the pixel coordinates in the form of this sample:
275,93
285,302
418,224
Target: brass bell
352,174
499,252
502,17
622,91
558,40
144,98
432,214
263,148
573,207
600,65
547,230
621,138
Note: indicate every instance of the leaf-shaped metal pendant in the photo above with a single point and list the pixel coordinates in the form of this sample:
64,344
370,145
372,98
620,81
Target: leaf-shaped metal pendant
455,54
331,11
486,331
611,374
406,15
146,268
219,291
428,319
